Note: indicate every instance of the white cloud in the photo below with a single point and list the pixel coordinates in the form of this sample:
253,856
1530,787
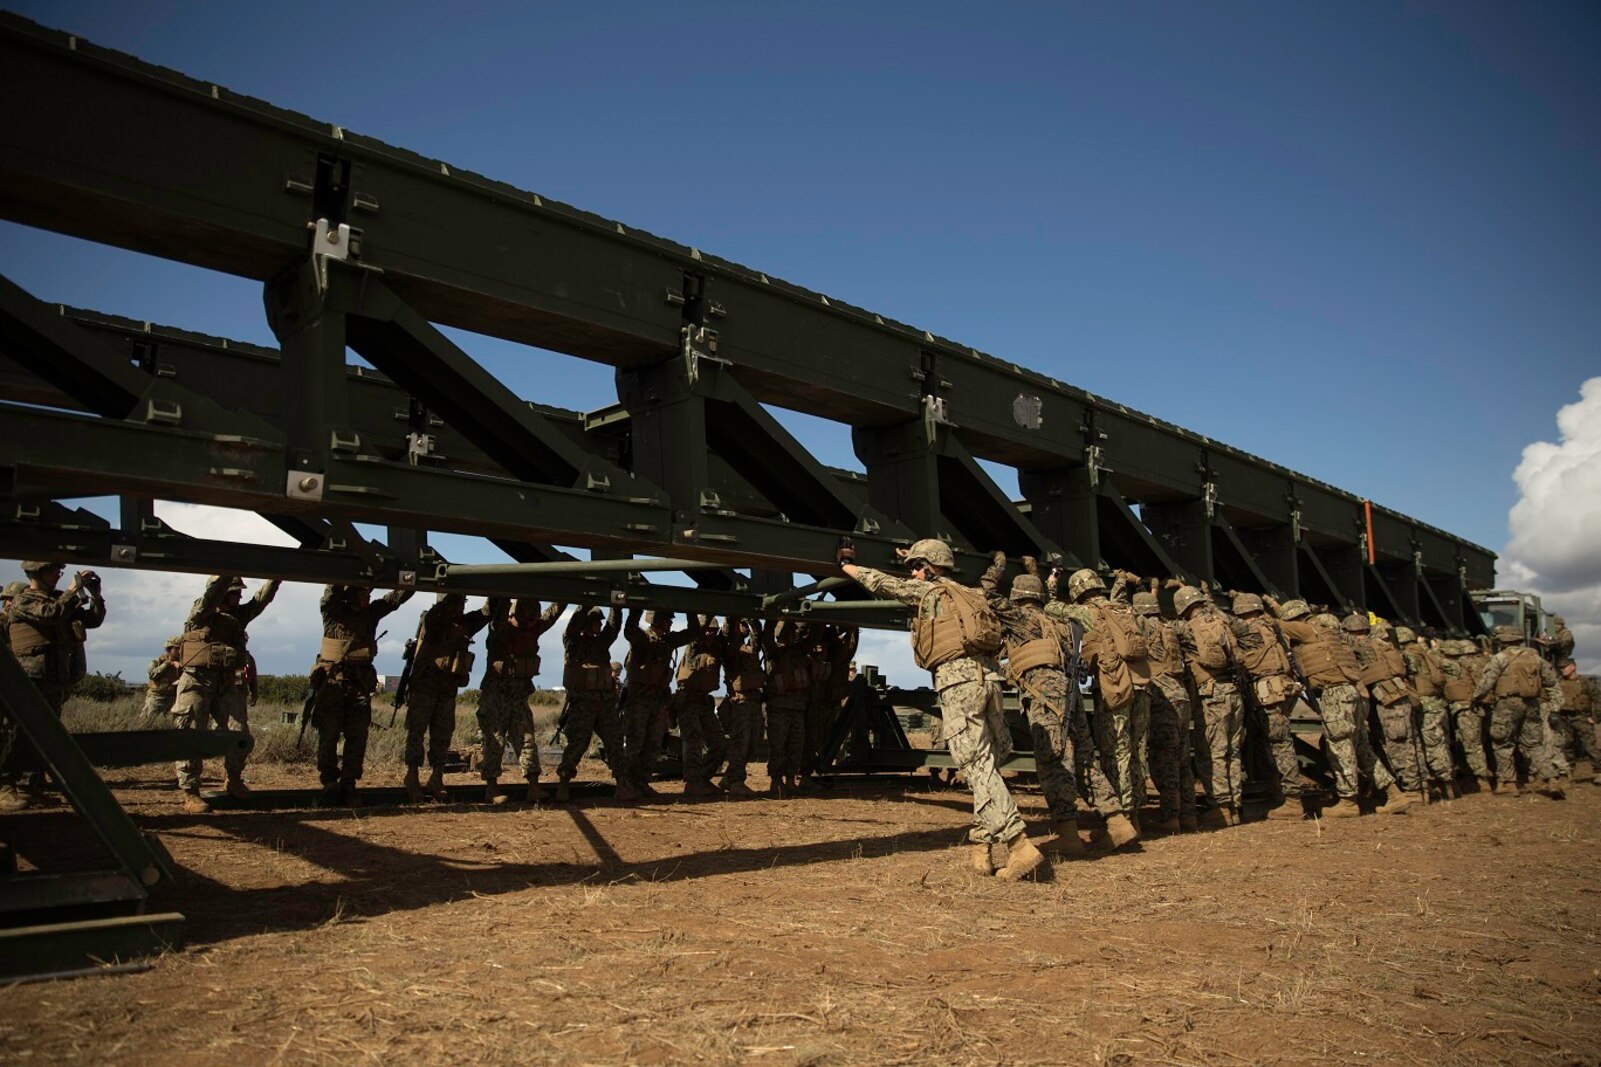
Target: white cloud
1555,547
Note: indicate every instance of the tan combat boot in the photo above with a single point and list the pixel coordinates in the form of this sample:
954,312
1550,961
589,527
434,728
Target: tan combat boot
1188,822
978,858
436,785
1120,832
535,792
413,786
737,789
625,791
1021,859
1486,786
237,788
1213,818
1289,810
194,803
1505,788
564,792
1345,808
492,794
1555,788
1396,801
1066,844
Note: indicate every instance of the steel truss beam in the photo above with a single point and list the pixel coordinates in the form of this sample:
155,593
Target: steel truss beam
208,177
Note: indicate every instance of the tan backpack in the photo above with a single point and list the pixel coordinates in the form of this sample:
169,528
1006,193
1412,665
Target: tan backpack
953,621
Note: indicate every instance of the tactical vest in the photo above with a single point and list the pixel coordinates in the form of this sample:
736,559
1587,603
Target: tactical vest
743,667
1167,660
513,651
650,665
953,621
1043,651
1268,659
1428,681
588,666
1458,688
1211,634
347,650
1385,676
218,645
28,639
1576,696
1521,676
788,673
699,670
1327,661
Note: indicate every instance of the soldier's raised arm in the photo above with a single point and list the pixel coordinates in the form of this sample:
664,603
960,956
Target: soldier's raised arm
614,626
1487,680
548,618
390,601
210,599
473,621
258,603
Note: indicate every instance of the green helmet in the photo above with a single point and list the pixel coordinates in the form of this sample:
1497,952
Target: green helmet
1084,581
14,590
1356,623
1559,620
654,614
934,552
1146,604
1028,587
1187,598
1294,609
1405,635
175,641
1509,635
34,566
1246,604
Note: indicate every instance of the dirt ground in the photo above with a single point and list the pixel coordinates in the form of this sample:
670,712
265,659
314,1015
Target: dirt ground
842,928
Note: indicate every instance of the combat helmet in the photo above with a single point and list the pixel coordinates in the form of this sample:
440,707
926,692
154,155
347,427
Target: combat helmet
34,566
1509,635
1028,587
933,551
1084,581
14,590
1186,598
657,613
1356,623
1294,609
175,641
1246,604
1145,603
1404,635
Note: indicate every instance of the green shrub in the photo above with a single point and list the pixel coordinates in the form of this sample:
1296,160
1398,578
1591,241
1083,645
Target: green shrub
282,688
103,688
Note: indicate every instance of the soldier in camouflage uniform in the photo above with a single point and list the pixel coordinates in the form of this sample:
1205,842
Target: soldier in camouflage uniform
1035,663
213,691
650,677
1114,646
46,631
1426,673
1211,650
700,735
1561,639
1330,666
1267,665
833,647
787,685
1527,694
441,664
740,712
1581,699
592,701
511,662
1172,719
162,689
1384,673
344,679
967,679
1466,722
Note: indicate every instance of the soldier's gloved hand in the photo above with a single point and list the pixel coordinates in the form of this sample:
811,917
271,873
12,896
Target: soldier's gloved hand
846,552
902,553
1031,566
999,558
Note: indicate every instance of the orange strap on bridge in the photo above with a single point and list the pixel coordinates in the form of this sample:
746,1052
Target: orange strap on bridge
1367,515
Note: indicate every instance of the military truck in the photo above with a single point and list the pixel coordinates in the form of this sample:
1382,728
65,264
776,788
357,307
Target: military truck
1508,607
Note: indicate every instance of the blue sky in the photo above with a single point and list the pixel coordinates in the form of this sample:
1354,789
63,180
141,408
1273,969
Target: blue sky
1362,240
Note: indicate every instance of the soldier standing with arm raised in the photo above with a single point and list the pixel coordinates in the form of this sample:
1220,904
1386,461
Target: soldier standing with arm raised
213,691
1581,699
952,639
441,664
162,690
343,681
740,713
788,681
1172,718
1426,674
1384,673
650,676
1459,677
511,662
1267,666
699,733
1527,692
591,706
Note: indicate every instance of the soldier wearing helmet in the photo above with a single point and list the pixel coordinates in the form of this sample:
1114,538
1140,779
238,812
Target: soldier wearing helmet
1329,665
955,636
1211,649
1561,639
1382,669
1266,659
1575,725
650,678
511,662
1172,718
1425,672
1114,645
1036,661
343,681
441,664
745,642
833,647
699,674
162,690
1458,678
787,686
1527,693
591,699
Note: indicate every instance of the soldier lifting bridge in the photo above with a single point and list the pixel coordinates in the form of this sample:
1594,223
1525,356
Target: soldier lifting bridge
364,246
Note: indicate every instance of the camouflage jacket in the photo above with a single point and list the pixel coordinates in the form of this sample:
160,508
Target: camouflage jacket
1550,685
914,593
650,654
46,631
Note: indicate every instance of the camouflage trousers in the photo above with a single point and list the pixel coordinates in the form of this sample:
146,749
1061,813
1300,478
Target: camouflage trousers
1574,735
644,723
160,701
1345,741
1517,726
1467,721
17,754
1398,742
740,715
1172,771
1434,727
1044,698
211,700
590,712
430,710
1118,770
343,709
968,712
700,735
821,711
786,737
1281,743
1223,727
504,719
